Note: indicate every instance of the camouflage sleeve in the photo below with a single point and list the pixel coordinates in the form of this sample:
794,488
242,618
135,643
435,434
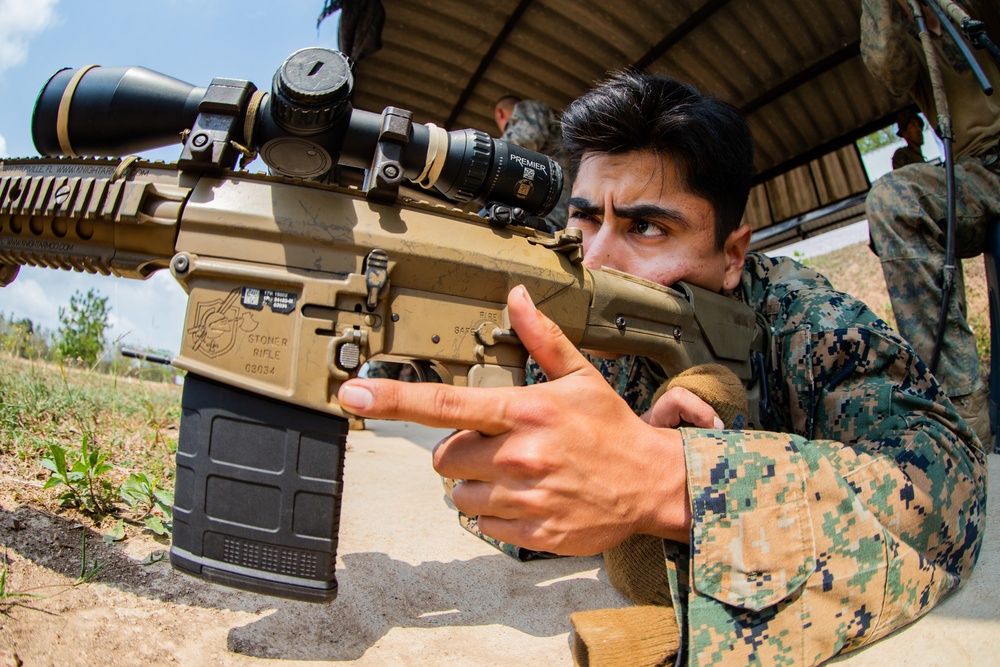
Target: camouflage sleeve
888,52
530,125
811,543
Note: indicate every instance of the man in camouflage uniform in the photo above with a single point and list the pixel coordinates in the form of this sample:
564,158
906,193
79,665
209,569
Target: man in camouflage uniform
909,127
533,125
857,510
907,208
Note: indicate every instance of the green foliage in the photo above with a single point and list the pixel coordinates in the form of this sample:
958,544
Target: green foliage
82,337
135,421
87,572
83,473
83,327
21,338
143,495
106,443
876,140
980,324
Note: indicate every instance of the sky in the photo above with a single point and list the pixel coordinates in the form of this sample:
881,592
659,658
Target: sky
191,40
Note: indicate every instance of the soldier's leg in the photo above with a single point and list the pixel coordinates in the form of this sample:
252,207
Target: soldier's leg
906,215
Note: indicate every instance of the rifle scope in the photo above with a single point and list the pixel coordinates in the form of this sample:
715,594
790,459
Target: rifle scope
302,129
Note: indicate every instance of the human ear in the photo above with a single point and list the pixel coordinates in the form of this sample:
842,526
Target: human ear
501,116
735,252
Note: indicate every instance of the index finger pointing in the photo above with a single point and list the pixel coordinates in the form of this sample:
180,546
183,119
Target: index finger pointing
430,404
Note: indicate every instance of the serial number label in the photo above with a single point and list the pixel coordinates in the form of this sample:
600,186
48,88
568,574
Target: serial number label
253,342
279,302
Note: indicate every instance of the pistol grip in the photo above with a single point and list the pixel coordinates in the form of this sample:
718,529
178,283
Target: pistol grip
258,491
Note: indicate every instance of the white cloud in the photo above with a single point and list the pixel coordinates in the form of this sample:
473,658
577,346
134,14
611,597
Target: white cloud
3,146
145,313
22,20
31,300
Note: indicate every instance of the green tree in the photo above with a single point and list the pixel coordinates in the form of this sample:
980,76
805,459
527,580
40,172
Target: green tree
82,328
877,139
22,338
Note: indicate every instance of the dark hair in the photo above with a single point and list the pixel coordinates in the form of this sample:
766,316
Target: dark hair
514,99
708,139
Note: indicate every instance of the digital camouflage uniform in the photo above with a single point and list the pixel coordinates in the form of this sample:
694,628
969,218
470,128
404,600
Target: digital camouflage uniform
859,511
907,207
533,125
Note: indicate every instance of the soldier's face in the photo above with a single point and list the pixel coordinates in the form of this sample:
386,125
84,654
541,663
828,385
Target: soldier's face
637,217
915,132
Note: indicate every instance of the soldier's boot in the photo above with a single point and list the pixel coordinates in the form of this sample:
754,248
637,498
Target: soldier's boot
974,409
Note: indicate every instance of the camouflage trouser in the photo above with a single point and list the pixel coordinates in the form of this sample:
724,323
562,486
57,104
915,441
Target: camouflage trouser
907,211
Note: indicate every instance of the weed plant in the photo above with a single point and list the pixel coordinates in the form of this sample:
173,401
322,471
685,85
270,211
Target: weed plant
104,444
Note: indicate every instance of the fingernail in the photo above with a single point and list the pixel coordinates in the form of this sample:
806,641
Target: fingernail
719,423
527,297
356,398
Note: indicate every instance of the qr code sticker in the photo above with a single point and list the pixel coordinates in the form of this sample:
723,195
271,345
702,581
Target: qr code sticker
251,297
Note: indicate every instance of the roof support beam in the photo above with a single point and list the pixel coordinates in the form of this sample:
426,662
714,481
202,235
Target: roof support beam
487,60
821,67
828,147
698,17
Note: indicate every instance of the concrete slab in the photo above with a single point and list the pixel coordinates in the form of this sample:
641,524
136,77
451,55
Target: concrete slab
417,589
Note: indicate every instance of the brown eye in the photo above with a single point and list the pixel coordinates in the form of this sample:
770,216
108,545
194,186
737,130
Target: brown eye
647,229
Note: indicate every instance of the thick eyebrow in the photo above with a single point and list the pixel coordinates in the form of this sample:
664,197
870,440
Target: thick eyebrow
633,211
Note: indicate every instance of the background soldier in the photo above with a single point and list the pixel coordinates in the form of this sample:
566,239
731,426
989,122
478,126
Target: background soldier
909,127
907,209
534,125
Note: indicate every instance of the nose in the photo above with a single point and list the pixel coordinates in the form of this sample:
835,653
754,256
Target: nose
599,248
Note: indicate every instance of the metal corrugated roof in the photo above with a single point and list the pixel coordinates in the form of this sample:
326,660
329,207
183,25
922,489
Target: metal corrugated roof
792,66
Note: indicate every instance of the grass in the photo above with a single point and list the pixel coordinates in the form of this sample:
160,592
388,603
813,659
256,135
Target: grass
105,445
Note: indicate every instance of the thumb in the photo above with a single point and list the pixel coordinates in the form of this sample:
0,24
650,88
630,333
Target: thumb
543,339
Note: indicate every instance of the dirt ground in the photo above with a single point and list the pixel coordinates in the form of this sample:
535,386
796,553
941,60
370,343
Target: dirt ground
136,610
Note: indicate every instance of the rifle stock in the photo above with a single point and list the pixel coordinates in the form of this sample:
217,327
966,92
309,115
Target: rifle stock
292,285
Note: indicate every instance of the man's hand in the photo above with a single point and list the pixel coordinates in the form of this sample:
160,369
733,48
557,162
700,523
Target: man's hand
680,406
563,466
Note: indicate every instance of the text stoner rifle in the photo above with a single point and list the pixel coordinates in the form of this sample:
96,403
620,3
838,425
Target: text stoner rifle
294,283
